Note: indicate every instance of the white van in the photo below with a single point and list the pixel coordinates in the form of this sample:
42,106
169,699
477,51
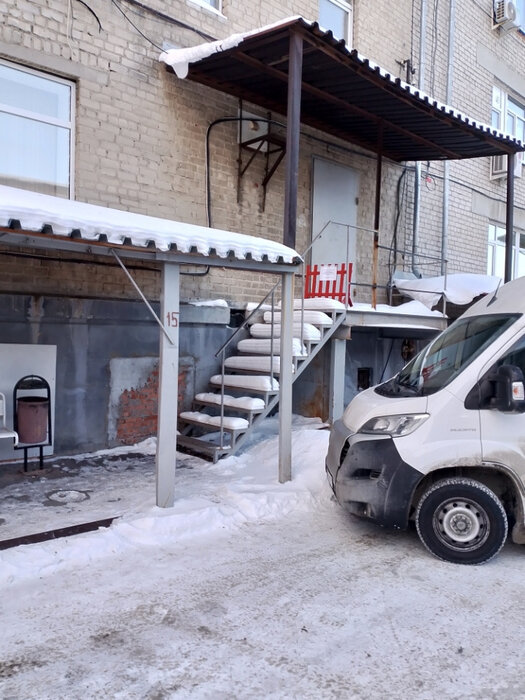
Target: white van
443,442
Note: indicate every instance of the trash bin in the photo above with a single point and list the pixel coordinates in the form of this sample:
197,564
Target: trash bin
33,417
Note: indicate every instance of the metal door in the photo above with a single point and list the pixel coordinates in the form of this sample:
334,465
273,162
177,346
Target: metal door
335,189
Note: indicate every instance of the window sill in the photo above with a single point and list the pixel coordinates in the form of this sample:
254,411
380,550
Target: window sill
207,8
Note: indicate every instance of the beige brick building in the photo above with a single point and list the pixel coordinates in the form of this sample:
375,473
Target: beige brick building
122,131
139,134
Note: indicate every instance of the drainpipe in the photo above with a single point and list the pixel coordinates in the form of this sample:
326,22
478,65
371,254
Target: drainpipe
509,231
446,168
417,181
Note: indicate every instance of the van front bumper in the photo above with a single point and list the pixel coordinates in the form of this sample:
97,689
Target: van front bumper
369,478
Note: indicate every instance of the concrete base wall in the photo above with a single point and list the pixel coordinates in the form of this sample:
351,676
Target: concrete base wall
107,364
107,352
368,348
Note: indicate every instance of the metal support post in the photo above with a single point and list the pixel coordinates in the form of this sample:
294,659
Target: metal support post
509,232
293,128
285,380
337,379
166,460
377,214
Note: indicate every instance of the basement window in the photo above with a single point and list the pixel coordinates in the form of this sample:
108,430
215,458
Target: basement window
36,130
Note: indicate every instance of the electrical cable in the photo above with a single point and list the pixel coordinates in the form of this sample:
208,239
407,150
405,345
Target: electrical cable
167,18
76,261
221,120
387,359
393,244
92,12
96,263
471,188
344,149
489,14
135,26
69,25
412,36
434,48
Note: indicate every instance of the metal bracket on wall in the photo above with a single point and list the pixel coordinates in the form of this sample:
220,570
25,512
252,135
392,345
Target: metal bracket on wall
271,144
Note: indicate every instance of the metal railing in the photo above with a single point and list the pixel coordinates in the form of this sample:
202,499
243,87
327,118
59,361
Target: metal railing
272,294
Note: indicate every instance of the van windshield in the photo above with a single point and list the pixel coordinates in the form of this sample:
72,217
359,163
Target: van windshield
448,355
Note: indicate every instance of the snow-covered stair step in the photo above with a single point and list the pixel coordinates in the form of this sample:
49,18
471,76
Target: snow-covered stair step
317,318
264,330
255,383
203,419
204,447
318,304
264,346
239,403
253,363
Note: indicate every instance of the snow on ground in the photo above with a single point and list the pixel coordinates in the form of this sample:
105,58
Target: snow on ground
121,483
250,589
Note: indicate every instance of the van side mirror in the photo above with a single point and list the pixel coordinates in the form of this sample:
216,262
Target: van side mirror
509,390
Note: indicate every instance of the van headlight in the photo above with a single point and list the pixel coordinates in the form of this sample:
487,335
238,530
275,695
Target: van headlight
396,426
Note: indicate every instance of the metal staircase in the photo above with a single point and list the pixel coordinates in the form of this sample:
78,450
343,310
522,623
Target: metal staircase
247,389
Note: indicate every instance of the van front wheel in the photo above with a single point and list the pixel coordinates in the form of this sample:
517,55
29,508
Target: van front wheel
461,521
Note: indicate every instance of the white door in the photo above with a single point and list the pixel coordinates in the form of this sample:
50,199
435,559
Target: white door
335,191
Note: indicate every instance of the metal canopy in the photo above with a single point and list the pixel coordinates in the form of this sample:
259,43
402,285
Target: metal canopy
42,221
295,68
342,93
29,219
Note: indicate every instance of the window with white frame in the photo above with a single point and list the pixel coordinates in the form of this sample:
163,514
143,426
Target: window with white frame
336,15
36,130
507,115
520,4
212,4
496,253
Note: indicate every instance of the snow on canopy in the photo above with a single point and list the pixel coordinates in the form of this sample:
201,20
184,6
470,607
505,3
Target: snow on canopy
36,211
459,288
179,59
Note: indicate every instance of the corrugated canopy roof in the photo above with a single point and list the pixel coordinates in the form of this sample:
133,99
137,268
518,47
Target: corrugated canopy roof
55,222
343,94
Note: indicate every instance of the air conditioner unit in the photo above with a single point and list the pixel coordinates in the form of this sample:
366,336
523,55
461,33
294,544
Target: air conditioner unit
506,15
498,166
518,167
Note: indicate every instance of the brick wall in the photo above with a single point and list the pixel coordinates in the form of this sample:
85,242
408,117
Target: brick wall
138,411
140,133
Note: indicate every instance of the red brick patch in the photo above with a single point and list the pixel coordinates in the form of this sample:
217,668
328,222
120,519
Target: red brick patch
138,409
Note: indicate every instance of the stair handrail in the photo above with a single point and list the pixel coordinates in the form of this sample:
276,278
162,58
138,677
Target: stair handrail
271,294
275,286
246,320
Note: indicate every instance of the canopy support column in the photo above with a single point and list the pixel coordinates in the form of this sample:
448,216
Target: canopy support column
509,233
337,374
285,379
293,128
166,460
377,216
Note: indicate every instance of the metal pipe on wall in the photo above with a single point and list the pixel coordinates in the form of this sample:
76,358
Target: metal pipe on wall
509,223
446,167
417,172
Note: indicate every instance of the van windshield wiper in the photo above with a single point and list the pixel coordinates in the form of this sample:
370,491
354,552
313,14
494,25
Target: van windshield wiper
408,386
